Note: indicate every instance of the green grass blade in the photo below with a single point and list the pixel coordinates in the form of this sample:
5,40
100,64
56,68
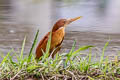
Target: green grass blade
69,54
75,52
48,43
23,45
89,56
33,45
31,67
5,58
90,78
103,51
73,48
81,49
11,60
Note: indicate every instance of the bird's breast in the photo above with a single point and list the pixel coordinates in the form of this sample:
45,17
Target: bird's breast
58,36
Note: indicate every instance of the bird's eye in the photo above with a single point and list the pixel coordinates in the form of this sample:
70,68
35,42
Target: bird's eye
64,21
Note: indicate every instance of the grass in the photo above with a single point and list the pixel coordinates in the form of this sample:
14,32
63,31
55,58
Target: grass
65,66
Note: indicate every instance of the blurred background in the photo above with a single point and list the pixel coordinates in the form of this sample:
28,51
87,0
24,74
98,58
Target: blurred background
20,18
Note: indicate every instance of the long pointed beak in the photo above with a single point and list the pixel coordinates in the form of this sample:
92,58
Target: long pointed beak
73,19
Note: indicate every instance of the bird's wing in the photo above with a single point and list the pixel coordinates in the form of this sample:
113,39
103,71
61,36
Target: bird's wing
42,46
45,38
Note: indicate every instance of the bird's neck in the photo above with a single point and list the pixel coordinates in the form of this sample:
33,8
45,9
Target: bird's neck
55,27
60,32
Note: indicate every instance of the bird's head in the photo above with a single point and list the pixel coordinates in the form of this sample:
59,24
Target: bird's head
63,23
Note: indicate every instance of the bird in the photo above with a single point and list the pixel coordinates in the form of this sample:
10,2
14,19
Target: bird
57,37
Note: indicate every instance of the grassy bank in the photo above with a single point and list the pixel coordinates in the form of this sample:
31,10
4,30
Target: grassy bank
65,66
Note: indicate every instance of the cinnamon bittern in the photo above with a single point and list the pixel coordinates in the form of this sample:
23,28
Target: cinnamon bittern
57,36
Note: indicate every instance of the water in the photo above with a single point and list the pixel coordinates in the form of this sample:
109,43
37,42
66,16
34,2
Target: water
23,17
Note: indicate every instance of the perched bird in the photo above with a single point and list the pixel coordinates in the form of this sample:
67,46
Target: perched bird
57,36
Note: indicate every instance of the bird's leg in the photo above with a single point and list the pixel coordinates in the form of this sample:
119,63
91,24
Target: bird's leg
55,51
